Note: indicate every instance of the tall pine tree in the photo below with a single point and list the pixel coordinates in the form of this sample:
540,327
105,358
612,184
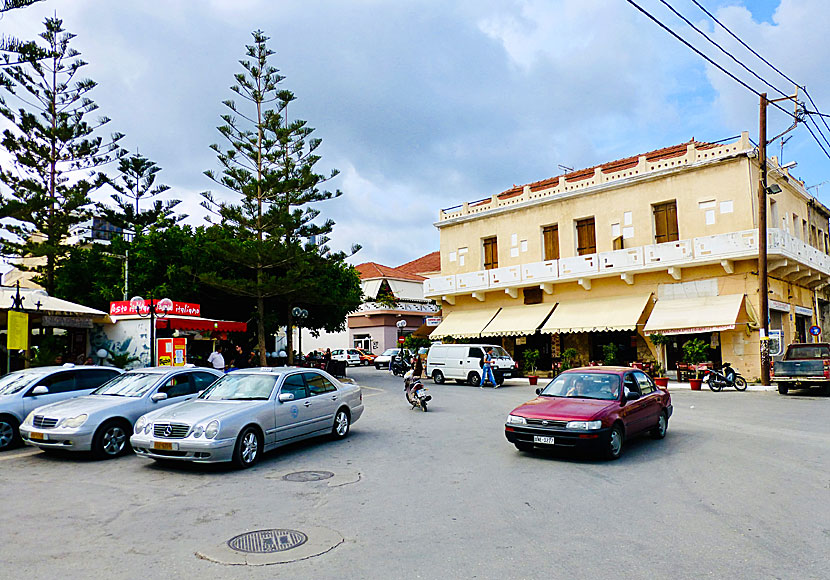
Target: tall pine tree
55,152
269,165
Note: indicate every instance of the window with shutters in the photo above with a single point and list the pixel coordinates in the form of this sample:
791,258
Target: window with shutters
665,222
586,238
491,254
550,237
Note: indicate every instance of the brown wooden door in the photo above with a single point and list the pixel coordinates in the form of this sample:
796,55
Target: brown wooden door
586,238
665,222
491,254
550,235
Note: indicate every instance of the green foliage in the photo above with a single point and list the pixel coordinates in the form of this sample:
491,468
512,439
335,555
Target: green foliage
610,352
16,51
46,352
657,369
695,351
122,359
54,151
385,296
531,357
658,339
414,343
570,358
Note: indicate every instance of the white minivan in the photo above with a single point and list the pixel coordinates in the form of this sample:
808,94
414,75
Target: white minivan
463,362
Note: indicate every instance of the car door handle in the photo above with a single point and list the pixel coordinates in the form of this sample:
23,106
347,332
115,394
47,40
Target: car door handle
307,403
334,397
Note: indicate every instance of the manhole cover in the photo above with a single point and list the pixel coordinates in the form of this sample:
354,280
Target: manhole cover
267,541
308,476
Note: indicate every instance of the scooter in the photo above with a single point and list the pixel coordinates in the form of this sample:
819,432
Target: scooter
416,393
728,377
400,366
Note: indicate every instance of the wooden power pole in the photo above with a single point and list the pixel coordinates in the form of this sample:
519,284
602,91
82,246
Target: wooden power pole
763,281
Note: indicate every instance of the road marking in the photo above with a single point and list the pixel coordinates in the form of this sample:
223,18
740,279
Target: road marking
20,454
372,389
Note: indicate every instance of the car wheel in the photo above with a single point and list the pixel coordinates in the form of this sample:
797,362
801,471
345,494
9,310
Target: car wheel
248,448
740,383
365,363
526,447
112,439
474,379
9,434
341,424
783,390
614,446
438,377
662,426
377,367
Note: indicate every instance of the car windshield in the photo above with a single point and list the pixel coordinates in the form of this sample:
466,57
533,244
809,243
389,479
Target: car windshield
390,351
240,387
128,385
808,352
602,386
16,382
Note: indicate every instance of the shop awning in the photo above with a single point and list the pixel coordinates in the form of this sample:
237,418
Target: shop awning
464,323
597,315
39,302
705,314
200,324
518,320
370,289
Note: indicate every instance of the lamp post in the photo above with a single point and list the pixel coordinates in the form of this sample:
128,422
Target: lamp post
401,324
154,309
299,315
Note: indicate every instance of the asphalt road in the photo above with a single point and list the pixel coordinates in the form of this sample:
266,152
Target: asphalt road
740,488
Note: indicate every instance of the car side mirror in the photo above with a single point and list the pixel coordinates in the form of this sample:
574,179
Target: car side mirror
538,391
632,396
40,390
285,397
158,397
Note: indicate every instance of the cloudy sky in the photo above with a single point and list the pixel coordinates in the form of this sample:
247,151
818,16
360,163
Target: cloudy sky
424,104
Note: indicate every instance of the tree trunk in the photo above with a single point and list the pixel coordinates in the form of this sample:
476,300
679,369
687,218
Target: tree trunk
260,330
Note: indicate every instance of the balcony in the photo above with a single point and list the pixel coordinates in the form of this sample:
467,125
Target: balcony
788,258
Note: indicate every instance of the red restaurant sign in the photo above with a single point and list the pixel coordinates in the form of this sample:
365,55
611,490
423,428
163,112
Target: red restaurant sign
122,308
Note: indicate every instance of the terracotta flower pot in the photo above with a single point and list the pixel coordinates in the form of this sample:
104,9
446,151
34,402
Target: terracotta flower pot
661,381
695,384
533,379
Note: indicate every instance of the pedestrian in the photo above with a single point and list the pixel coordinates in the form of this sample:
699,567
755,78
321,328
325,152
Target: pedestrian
240,359
418,366
89,361
487,370
327,357
216,359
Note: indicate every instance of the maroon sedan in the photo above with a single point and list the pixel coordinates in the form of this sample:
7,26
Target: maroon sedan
591,407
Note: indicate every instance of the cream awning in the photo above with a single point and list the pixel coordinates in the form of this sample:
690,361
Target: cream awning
705,314
518,320
40,302
464,323
370,289
597,315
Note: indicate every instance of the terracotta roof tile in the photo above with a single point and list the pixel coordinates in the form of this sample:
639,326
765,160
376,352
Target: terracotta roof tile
425,264
369,270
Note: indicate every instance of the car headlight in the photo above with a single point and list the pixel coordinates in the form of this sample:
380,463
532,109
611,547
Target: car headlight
516,420
148,428
29,420
584,425
139,425
198,430
73,422
212,429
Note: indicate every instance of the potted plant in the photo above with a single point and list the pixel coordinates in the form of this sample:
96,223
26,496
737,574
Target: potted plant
609,354
570,358
695,351
658,373
660,341
530,358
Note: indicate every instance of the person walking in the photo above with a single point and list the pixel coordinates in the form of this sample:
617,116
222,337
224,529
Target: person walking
216,360
487,370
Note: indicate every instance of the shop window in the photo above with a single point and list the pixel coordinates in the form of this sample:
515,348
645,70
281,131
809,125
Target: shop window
586,238
665,222
550,237
491,254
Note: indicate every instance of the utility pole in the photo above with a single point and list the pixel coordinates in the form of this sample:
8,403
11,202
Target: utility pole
763,281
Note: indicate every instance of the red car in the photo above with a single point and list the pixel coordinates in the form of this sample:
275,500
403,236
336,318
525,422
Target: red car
366,358
595,408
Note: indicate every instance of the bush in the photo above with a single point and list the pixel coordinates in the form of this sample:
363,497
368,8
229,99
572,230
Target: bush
570,358
530,358
609,354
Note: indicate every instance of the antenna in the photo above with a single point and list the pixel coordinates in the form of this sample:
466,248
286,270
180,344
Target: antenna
565,168
783,142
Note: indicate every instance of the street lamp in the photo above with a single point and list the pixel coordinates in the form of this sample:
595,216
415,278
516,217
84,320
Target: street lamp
154,308
299,315
401,324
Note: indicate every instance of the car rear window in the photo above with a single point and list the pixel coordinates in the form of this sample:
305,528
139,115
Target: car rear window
808,352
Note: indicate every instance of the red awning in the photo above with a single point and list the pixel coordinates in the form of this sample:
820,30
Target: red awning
200,324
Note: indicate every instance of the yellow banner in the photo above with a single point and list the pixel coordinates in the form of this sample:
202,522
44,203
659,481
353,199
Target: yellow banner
18,331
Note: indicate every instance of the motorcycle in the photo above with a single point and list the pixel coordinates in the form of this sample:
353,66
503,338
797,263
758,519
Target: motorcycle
728,377
416,392
400,366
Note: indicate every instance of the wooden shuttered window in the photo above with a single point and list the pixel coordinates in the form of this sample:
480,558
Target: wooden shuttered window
665,222
586,238
550,236
491,254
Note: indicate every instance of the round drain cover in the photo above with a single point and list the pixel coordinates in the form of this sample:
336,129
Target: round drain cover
267,541
308,476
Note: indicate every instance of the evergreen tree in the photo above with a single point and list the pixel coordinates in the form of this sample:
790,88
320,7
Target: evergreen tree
54,151
14,50
269,165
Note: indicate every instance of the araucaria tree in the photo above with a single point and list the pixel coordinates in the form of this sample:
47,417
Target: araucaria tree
269,165
54,152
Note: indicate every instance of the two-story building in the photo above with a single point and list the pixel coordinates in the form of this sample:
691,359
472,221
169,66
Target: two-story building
665,242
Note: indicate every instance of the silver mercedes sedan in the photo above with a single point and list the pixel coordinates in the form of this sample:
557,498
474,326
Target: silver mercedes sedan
102,421
248,412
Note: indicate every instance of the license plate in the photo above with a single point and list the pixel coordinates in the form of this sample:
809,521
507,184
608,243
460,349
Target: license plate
38,436
420,393
507,374
544,440
164,446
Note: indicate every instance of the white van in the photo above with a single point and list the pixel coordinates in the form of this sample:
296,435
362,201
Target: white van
463,362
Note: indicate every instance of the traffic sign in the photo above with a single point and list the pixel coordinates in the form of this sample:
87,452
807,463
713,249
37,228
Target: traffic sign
815,330
401,340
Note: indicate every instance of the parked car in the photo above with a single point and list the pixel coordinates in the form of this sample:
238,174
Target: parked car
463,362
366,358
596,408
102,421
382,360
247,413
350,355
22,391
804,365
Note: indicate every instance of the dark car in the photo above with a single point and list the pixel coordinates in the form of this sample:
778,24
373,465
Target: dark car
592,408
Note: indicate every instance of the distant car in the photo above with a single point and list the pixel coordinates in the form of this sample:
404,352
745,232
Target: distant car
103,421
22,391
594,408
350,355
382,361
248,412
366,358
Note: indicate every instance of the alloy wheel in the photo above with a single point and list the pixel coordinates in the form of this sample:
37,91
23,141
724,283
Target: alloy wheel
250,447
6,434
114,440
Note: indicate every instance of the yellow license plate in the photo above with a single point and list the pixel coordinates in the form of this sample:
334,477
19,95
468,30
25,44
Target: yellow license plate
162,446
38,436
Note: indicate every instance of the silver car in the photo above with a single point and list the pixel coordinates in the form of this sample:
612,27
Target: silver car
102,421
22,391
248,412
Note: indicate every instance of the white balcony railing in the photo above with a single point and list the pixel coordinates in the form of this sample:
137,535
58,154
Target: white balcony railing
682,253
